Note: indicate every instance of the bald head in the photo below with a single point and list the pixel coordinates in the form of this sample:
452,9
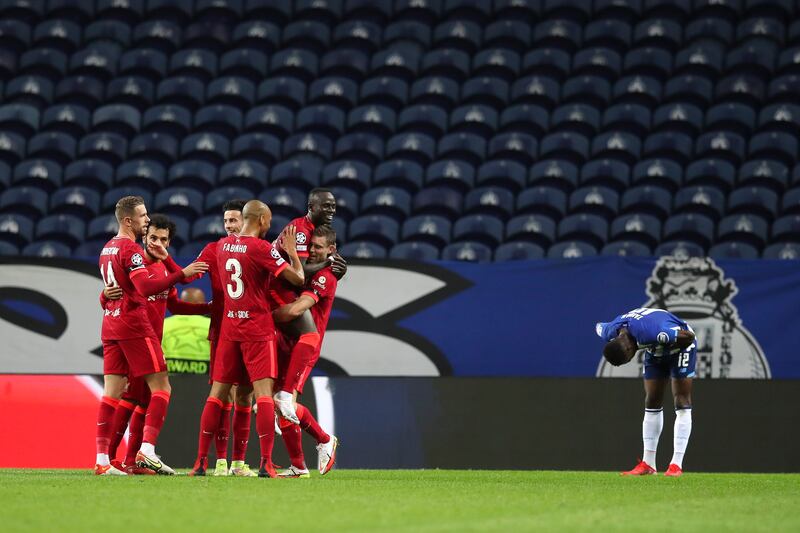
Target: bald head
254,209
193,295
257,218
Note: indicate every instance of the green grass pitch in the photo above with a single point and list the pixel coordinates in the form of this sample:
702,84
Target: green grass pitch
400,500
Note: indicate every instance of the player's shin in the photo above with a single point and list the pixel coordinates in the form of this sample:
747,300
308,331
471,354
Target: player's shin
209,423
293,439
223,432
135,434
105,419
154,420
682,431
241,431
122,414
310,425
265,425
651,431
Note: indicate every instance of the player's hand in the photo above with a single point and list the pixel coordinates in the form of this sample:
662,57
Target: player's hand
112,292
157,250
198,267
289,239
338,266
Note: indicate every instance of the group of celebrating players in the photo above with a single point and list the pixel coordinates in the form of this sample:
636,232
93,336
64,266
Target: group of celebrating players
255,285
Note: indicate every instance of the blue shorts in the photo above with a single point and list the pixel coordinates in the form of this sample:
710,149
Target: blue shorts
679,365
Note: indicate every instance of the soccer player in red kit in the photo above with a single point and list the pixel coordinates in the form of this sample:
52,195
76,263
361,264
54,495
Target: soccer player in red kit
130,345
246,352
134,401
321,209
317,296
241,400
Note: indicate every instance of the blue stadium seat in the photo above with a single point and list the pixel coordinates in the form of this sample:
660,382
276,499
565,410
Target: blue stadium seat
172,120
406,32
712,172
192,249
143,173
654,63
209,147
179,201
733,250
244,63
324,119
364,147
598,62
78,201
260,147
754,200
486,91
287,202
495,201
779,117
774,145
429,229
626,249
550,63
680,249
364,250
231,90
375,119
389,201
398,62
617,145
570,147
349,174
755,58
438,201
518,147
5,175
380,229
384,90
458,35
309,145
147,63
703,200
107,32
346,203
14,35
647,199
695,90
108,147
15,230
524,118
600,201
658,33
38,173
744,89
668,145
66,118
447,63
46,248
399,173
509,34
545,200
502,173
691,227
414,147
261,35
93,173
301,173
785,228
554,173
607,33
790,202
750,229
129,12
44,62
579,118
325,12
637,90
721,144
592,229
606,173
275,120
452,174
109,202
278,11
782,251
678,117
192,174
536,90
221,119
357,35
243,173
588,90
208,229
427,12
701,28
738,118
467,10
518,251
485,229
345,63
55,146
12,147
629,118
564,34
702,58
67,229
279,222
133,91
414,251
476,119
117,118
285,91
334,91
19,118
637,227
497,63
6,248
537,229
194,63
469,251
571,250
175,11
427,119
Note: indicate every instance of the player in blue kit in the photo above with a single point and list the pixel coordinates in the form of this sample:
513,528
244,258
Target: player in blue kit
669,351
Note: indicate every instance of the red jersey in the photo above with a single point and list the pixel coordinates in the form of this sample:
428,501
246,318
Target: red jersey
246,264
304,230
322,288
126,318
209,256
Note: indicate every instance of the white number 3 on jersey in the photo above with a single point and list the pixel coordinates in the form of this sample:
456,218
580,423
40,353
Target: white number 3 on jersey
236,288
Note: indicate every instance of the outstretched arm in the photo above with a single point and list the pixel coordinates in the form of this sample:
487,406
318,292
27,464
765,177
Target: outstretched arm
288,312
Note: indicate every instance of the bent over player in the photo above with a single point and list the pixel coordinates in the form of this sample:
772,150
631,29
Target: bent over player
669,351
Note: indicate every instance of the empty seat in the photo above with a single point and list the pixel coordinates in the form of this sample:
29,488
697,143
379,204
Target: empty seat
790,202
414,251
629,118
399,173
179,201
193,174
486,229
638,90
518,251
117,118
589,228
456,175
221,119
47,248
637,227
778,250
55,146
285,201
12,147
579,118
652,62
571,250
275,120
431,229
346,203
67,229
477,119
19,118
358,35
374,119
66,118
245,63
445,62
385,90
524,118
518,147
599,62
678,117
172,120
679,249
15,230
309,145
243,173
335,91
208,228
658,33
502,173
210,147
346,63
109,202
486,91
647,199
537,229
281,90
353,175
414,147
609,33
691,227
774,145
617,145
607,173
564,34
6,248
379,229
703,200
194,63
390,201
38,173
695,90
595,200
712,172
144,173
733,250
499,63
364,147
544,200
438,201
554,172
626,249
364,250
589,90
426,119
260,147
301,173
785,228
750,229
474,252
78,201
108,147
496,201
231,90
755,200
407,31
536,90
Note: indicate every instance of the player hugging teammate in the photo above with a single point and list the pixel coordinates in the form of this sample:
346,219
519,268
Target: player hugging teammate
246,348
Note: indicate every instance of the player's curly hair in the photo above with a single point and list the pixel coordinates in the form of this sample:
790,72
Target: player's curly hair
233,205
327,233
126,205
615,353
316,191
159,221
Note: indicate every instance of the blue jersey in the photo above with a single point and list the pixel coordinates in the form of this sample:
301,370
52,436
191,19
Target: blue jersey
655,330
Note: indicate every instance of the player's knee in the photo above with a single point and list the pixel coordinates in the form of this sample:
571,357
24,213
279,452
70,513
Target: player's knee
682,401
652,402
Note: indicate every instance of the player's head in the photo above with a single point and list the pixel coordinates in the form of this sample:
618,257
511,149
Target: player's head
160,230
323,244
232,216
620,350
257,218
132,215
321,206
193,295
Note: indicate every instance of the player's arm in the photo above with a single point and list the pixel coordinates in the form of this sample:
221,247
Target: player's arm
147,286
294,274
176,306
288,312
207,256
110,292
310,270
685,339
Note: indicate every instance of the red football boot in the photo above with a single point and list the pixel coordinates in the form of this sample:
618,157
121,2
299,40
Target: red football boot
133,470
673,471
642,469
200,467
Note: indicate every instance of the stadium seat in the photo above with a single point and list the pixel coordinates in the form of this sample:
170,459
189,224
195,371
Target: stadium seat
680,249
453,174
231,90
275,120
208,229
300,173
502,173
38,173
15,230
66,118
590,90
607,173
182,91
148,63
385,90
158,147
785,228
133,91
557,33
345,63
179,201
703,200
364,250
367,148
746,228
210,147
374,119
647,199
626,249
658,33
473,252
414,251
691,227
43,62
486,229
78,201
518,251
6,248
779,117
245,174
20,119
194,63
445,63
497,63
651,62
610,33
112,196
694,90
438,201
108,147
54,146
536,90
308,146
570,147
754,200
703,58
414,147
554,172
778,250
537,229
107,32
426,12
429,229
774,145
244,63
46,248
476,119
427,119
287,202
790,202
407,31
516,147
277,11
67,229
628,118
380,229
389,201
346,203
360,35
172,120
579,118
260,147
12,147
733,250
28,201
193,174
399,173
715,28
598,62
637,90
220,119
174,11
678,117
595,200
353,175
284,91
143,173
334,91
711,172
617,145
589,228
84,91
495,201
571,250
488,91
637,227
545,200
399,62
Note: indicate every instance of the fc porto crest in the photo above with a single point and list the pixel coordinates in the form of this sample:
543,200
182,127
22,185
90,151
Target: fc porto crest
696,290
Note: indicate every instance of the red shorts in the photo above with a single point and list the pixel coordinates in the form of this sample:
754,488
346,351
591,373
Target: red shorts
285,346
137,391
137,357
245,361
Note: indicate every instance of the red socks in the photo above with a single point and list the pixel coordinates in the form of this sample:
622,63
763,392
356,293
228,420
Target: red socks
105,421
209,422
223,431
135,434
120,422
156,413
309,423
265,426
302,355
293,439
241,431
